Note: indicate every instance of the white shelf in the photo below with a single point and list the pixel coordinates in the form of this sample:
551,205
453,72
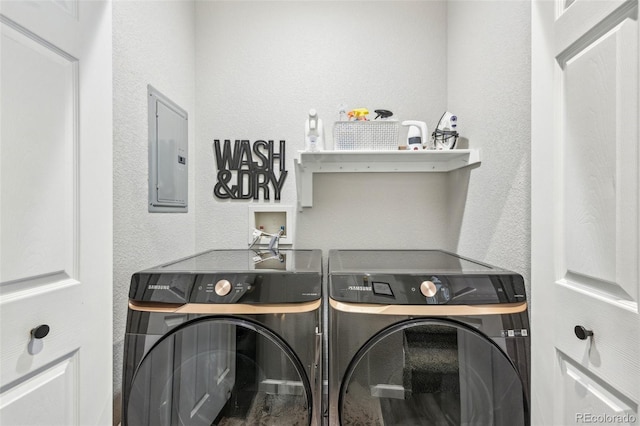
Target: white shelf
309,163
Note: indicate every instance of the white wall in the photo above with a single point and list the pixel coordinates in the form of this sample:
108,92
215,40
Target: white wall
153,43
262,65
489,87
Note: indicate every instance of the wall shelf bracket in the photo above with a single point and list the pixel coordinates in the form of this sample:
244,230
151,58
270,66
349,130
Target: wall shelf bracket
308,163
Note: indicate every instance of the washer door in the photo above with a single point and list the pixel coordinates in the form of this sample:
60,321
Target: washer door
432,372
220,371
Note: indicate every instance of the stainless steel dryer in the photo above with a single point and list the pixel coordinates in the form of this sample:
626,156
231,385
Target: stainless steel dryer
227,337
426,338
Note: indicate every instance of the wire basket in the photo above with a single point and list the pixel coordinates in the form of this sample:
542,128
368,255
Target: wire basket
366,135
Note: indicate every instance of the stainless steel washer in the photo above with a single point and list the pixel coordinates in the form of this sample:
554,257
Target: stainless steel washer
226,337
426,337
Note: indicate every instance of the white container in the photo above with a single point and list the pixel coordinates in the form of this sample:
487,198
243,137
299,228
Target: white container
314,132
417,135
366,135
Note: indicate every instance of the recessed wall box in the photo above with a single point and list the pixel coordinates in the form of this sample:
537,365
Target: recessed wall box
269,218
168,156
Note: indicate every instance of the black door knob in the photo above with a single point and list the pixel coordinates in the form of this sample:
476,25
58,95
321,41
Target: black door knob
40,331
582,333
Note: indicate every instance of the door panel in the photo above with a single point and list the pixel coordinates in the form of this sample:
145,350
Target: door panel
38,195
585,210
55,212
600,194
612,354
20,356
54,387
585,400
580,22
600,163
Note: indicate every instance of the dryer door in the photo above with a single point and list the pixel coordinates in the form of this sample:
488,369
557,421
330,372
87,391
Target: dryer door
220,371
432,372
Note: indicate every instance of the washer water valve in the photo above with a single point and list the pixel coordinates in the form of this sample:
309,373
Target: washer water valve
272,249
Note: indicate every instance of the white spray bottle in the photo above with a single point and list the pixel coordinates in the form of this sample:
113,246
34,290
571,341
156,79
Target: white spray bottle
417,135
314,132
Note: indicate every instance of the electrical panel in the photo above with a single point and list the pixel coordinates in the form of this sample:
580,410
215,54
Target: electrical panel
168,155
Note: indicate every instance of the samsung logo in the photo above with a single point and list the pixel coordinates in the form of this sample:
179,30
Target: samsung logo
157,287
358,288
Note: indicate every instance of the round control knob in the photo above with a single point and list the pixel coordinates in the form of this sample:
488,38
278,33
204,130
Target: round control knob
223,287
582,333
428,289
40,332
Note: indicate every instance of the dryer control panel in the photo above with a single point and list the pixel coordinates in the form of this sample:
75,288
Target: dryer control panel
427,289
419,277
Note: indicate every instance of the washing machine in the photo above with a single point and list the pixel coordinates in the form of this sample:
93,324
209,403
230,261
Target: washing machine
426,337
225,337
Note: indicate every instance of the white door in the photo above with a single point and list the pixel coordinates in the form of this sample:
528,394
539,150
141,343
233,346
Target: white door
55,213
585,212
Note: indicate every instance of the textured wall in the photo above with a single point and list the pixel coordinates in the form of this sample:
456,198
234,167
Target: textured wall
416,58
153,43
262,65
489,87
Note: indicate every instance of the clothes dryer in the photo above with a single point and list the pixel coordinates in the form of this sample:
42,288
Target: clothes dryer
226,337
426,337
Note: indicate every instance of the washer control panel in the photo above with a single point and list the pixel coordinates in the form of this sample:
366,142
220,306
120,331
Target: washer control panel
270,288
230,289
233,276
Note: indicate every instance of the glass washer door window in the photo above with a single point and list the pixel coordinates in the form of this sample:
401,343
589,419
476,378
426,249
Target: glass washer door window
431,372
222,371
